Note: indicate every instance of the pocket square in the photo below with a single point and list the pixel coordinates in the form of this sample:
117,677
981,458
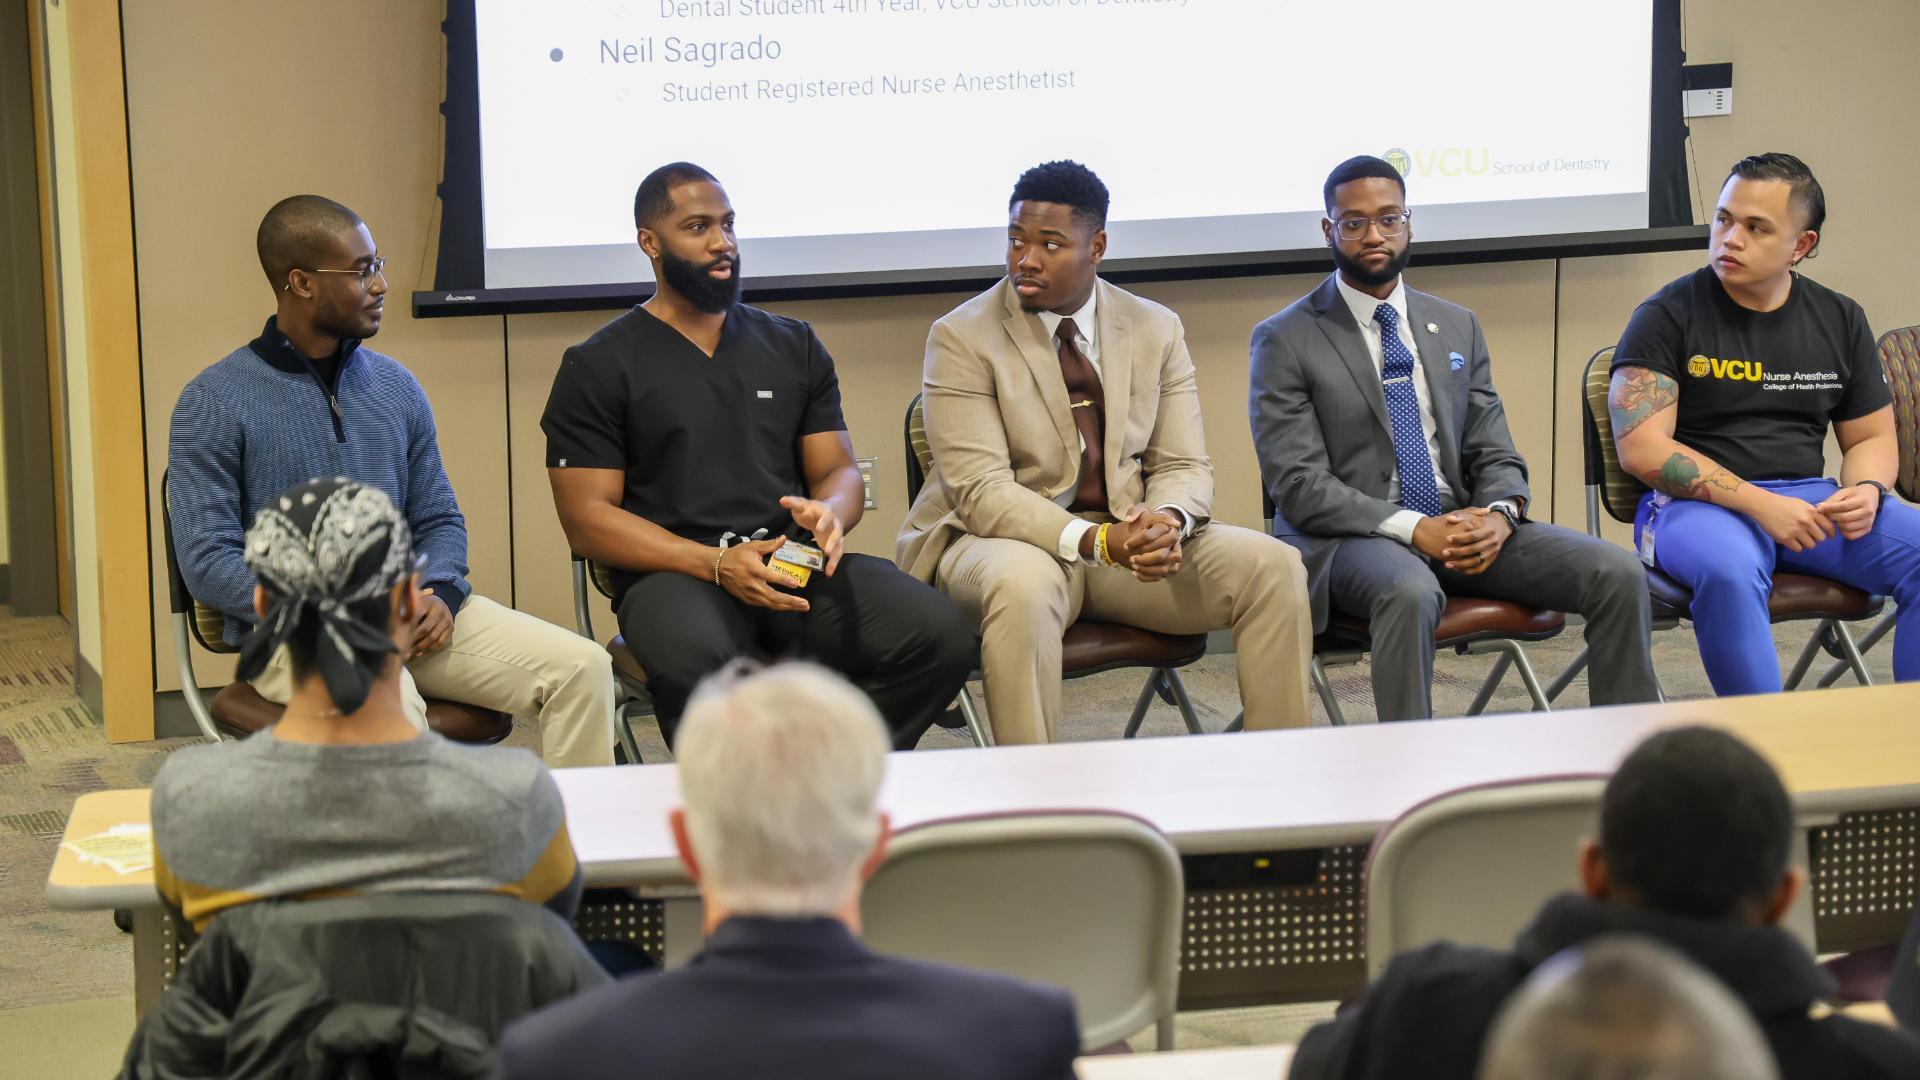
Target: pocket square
1455,361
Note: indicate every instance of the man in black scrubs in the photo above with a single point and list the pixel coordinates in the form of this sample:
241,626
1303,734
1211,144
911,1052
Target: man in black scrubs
688,439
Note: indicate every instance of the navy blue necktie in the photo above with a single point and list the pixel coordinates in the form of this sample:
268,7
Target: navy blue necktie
1418,491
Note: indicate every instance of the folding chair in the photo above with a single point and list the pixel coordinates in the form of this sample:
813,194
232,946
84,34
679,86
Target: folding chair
1795,597
629,678
237,710
1089,901
1088,647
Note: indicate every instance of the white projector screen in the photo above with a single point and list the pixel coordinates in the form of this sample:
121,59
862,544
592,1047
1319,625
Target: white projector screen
859,137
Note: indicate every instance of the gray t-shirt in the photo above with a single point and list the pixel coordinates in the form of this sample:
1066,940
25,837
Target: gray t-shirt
260,818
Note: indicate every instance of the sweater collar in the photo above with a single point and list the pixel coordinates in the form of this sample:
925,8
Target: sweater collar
786,943
273,347
1766,967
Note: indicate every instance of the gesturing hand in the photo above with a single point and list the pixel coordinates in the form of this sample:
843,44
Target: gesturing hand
745,576
819,519
1852,510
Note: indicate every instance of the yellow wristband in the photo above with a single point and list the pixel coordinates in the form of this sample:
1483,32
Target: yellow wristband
1100,546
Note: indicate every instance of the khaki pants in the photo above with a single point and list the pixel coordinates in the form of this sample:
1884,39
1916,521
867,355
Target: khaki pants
499,658
1023,599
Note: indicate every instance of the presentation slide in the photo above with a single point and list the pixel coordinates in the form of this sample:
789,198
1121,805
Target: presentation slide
856,136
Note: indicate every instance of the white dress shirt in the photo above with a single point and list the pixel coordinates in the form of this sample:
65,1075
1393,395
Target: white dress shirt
1086,338
1400,524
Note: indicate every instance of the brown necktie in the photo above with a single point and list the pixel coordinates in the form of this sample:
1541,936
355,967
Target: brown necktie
1089,408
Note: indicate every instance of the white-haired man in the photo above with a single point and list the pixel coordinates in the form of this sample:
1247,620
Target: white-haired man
780,775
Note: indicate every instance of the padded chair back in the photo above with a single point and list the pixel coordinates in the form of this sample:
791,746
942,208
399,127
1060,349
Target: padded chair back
919,450
1900,360
1472,866
1620,491
208,625
1087,901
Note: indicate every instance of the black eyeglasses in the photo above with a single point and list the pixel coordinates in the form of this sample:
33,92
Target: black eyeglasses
365,274
1353,228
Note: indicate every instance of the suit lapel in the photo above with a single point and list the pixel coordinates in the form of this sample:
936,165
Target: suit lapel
1116,378
1030,336
1435,358
1336,322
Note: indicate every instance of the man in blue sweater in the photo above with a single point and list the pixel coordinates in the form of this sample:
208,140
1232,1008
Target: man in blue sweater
307,399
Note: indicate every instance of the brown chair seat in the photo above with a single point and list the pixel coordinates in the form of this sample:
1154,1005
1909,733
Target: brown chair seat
240,710
1464,620
1092,647
1794,596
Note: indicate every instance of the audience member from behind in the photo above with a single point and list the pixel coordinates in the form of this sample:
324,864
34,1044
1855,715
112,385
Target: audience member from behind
309,398
345,795
1624,1009
779,773
1695,831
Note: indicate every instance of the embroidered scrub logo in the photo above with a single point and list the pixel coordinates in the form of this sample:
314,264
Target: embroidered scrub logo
1701,367
1401,161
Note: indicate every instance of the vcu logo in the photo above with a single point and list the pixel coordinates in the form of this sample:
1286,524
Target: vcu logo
1702,366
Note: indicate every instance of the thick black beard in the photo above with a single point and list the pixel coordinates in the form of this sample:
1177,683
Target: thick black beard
690,280
1358,273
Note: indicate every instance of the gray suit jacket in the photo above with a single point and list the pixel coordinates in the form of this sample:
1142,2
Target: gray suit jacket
1320,422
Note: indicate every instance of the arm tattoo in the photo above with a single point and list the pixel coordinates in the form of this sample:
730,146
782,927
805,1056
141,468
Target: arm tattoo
1680,477
1637,394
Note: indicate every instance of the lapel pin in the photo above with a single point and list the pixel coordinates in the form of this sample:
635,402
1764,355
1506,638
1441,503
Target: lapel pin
1433,328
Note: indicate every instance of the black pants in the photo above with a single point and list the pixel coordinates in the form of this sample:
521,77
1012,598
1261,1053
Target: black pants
898,640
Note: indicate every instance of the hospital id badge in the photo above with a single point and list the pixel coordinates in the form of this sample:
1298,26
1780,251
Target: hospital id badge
796,562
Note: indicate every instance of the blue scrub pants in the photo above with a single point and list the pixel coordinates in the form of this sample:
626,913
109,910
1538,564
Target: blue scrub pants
1728,561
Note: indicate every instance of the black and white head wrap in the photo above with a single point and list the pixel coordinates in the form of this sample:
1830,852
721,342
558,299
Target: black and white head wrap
322,550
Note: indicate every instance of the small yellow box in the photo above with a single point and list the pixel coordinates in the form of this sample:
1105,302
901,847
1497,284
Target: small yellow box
797,562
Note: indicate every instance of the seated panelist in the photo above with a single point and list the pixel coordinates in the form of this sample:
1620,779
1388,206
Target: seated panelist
1385,451
308,398
1724,386
1070,478
689,440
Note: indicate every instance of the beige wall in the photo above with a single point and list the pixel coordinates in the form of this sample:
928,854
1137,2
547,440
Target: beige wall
216,139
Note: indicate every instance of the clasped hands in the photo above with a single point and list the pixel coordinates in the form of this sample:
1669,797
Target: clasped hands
1464,541
742,569
1145,541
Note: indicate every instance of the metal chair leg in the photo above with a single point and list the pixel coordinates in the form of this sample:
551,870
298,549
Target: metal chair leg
1807,652
189,685
975,728
623,732
1491,684
1163,1033
1565,678
1852,652
1325,689
1140,704
1541,703
1178,688
1238,723
1872,638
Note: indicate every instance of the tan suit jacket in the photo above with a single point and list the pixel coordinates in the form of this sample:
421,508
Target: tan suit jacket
1004,443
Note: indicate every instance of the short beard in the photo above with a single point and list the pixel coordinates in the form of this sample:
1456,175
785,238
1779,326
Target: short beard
342,326
1359,274
690,280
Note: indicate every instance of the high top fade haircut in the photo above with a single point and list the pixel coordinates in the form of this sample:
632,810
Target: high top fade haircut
299,233
1067,183
1698,824
1807,199
654,198
1363,167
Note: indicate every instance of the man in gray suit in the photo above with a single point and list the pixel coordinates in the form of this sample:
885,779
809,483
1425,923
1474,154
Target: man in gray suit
1385,451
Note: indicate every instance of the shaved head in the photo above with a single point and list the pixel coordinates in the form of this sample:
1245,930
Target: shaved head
300,233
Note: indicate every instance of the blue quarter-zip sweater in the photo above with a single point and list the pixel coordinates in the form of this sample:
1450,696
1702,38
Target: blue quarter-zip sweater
264,420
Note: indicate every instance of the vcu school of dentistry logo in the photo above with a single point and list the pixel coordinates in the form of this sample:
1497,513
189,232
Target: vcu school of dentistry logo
1401,161
1702,366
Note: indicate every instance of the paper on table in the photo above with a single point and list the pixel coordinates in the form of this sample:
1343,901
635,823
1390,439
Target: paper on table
124,849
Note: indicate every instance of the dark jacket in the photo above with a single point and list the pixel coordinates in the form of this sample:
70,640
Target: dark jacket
1429,1013
799,998
390,985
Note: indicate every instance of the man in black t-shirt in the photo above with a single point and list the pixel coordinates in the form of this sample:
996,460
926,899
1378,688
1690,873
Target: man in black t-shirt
691,437
1723,387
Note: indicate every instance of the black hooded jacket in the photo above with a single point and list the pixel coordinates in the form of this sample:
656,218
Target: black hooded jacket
1429,1013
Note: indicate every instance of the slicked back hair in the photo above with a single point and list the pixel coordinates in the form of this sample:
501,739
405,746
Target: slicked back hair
653,200
1363,167
1807,198
1697,824
1067,183
299,233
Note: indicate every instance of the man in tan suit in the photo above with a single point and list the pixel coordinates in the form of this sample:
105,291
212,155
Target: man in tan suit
1070,477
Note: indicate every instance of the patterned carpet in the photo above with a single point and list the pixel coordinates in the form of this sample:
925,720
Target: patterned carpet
52,750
